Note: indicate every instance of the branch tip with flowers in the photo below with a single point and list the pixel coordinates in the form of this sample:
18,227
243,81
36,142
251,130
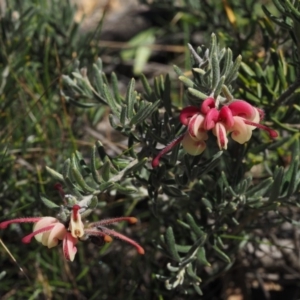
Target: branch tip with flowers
50,231
237,118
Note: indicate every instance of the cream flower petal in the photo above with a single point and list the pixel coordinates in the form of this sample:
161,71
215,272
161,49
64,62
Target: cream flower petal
241,132
191,146
76,226
57,233
45,237
44,222
199,133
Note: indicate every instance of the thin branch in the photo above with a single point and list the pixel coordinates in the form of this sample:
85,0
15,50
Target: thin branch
287,93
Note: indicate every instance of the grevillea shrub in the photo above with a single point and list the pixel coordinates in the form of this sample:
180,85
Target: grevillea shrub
209,170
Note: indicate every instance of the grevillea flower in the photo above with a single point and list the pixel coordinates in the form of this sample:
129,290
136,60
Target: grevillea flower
50,231
237,118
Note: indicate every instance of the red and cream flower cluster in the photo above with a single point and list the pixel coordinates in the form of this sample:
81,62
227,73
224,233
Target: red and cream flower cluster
237,118
50,231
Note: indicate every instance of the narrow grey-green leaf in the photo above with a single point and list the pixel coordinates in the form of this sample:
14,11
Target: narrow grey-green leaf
260,189
276,186
66,168
170,242
207,204
125,189
215,70
201,256
130,98
48,203
177,70
55,174
111,101
166,98
98,80
105,170
94,171
227,62
187,82
194,226
197,94
219,87
247,69
123,114
145,112
80,104
106,186
146,86
115,88
232,74
137,166
80,181
221,254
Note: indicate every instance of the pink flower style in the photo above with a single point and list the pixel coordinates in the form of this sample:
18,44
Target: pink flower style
237,117
50,231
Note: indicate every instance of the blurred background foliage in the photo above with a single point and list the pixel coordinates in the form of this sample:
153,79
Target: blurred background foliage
42,40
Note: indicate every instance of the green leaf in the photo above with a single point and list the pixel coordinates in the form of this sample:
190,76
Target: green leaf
260,189
55,174
279,6
227,93
106,186
170,243
276,20
197,94
130,98
292,9
219,87
276,186
201,256
247,69
145,112
173,191
142,56
221,254
115,88
192,274
290,177
215,71
80,181
177,70
94,171
98,80
137,167
227,63
124,189
123,114
167,95
101,150
80,104
232,73
194,226
105,170
146,86
48,202
207,204
209,164
187,82
115,107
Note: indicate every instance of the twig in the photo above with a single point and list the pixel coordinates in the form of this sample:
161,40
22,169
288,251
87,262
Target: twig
287,93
